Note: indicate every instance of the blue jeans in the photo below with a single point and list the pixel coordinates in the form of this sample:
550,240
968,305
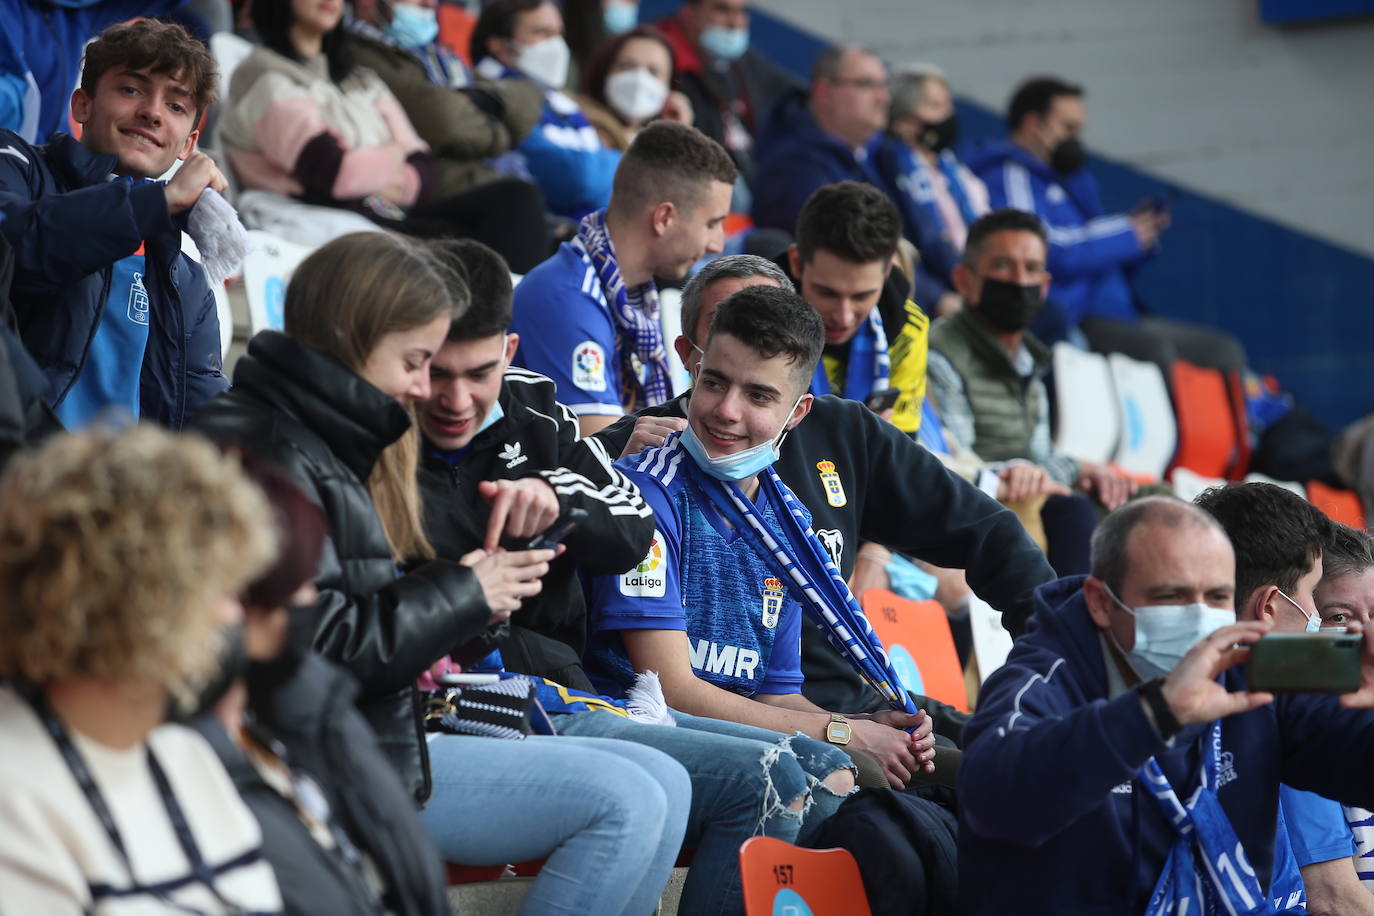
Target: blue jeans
610,816
743,780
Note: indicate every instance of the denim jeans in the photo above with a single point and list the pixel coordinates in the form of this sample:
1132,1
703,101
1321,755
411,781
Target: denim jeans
743,780
609,816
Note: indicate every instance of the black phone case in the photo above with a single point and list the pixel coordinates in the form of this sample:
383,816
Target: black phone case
1306,663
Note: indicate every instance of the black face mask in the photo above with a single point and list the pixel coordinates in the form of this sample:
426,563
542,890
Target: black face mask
940,136
228,668
264,677
1068,157
1008,307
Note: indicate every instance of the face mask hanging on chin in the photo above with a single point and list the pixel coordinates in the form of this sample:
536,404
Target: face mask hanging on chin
738,466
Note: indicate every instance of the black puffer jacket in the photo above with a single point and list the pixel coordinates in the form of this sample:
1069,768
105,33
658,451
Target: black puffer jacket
309,710
325,427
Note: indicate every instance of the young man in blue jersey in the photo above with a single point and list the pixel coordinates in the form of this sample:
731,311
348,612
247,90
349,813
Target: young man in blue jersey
1118,762
1280,541
715,607
588,317
109,307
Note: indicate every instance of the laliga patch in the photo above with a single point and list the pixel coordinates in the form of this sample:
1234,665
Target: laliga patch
830,481
589,366
772,601
650,578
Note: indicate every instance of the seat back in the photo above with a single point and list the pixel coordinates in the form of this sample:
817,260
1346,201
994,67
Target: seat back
1149,434
991,641
919,645
455,28
266,271
1088,424
784,880
1343,506
670,320
1187,485
1289,485
1207,435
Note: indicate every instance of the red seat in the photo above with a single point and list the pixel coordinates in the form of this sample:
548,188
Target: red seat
781,878
455,29
1343,506
1208,438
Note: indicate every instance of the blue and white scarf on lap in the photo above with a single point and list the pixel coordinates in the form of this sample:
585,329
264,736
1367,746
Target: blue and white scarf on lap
635,312
799,559
867,367
1207,871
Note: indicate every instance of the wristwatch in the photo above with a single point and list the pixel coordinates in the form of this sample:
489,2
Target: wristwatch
837,731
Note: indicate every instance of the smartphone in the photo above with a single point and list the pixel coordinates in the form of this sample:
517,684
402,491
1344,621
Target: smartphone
554,536
1322,662
879,401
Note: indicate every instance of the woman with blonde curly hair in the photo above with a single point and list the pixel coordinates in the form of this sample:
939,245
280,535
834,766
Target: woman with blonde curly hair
120,554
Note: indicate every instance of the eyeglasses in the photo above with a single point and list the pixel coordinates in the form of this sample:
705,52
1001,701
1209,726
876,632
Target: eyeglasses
868,84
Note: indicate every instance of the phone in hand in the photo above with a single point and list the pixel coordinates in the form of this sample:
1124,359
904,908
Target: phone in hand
1321,662
555,535
882,400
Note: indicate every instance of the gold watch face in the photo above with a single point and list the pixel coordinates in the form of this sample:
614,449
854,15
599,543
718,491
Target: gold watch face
837,732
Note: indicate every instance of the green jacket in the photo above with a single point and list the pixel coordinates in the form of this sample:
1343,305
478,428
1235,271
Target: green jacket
1006,406
461,134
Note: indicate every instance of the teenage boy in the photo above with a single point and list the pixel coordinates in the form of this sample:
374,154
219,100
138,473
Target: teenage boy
588,317
502,464
1280,539
714,608
111,310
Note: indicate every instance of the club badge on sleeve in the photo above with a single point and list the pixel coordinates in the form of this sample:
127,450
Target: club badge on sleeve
830,480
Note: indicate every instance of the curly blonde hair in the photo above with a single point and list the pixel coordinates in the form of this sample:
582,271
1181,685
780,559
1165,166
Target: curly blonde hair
115,547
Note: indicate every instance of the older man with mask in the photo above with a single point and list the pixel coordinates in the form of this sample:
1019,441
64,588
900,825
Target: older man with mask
863,480
1117,762
826,134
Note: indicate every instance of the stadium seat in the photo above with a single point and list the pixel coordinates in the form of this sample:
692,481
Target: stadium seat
1089,424
785,880
1207,433
670,320
266,270
991,641
1289,485
1149,434
919,645
1341,505
1188,485
294,221
455,28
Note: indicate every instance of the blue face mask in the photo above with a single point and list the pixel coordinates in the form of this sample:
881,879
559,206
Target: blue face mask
740,465
412,26
619,17
727,44
1164,633
496,413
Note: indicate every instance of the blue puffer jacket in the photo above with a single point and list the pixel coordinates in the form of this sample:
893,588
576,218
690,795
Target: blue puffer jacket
68,224
1053,818
1090,251
795,158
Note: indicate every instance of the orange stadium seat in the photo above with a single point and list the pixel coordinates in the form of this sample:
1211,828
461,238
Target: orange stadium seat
786,880
455,28
1341,505
1207,434
919,645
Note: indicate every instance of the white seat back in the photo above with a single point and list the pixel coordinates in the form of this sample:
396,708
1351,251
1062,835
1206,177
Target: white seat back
266,271
1089,424
1149,432
991,641
1189,484
1289,485
670,320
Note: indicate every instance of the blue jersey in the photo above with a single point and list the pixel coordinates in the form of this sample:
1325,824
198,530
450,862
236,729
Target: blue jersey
567,333
700,576
110,377
1317,827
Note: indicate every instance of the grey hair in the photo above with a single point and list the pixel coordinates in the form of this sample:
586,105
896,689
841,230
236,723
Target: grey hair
908,88
730,267
1348,550
1108,545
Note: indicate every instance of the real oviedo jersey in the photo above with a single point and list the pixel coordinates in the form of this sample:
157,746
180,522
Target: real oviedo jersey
700,576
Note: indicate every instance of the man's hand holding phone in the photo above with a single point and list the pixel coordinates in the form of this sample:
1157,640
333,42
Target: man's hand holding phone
520,509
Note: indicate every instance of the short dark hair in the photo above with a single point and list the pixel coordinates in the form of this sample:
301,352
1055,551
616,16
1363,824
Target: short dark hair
1107,549
1006,220
163,47
273,20
488,286
1348,550
1277,534
497,20
773,322
1035,96
668,162
854,221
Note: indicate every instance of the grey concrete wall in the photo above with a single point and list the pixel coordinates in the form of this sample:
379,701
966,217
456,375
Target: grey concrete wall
1276,121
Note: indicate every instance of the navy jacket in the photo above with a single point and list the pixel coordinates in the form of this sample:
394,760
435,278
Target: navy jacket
795,158
68,225
1052,818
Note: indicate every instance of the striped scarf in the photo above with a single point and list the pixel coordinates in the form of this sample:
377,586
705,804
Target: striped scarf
635,312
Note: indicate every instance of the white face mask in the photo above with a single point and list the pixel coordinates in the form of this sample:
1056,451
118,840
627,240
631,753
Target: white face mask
1164,633
636,94
1314,621
545,61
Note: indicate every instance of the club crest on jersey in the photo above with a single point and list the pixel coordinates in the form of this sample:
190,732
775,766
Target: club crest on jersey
650,578
772,601
834,490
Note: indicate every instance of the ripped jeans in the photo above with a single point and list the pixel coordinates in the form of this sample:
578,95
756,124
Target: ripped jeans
743,781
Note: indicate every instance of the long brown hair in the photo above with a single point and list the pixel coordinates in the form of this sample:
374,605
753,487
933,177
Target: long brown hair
341,301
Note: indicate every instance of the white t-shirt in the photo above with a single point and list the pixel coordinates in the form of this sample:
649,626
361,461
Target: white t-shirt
53,848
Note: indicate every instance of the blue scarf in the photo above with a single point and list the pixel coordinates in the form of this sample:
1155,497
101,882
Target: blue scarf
798,558
866,368
916,184
639,338
1202,874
